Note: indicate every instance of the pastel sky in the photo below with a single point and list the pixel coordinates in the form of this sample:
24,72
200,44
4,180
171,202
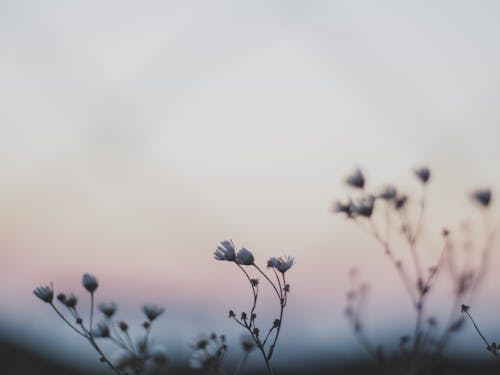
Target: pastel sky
136,136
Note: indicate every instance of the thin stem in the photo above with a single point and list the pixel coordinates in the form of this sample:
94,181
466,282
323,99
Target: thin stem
91,309
477,329
399,267
66,320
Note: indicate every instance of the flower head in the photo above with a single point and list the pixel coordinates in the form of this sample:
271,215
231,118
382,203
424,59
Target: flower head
158,354
247,343
482,196
89,282
108,308
356,179
225,252
364,207
282,264
152,311
123,359
45,293
68,301
346,208
244,257
210,357
423,174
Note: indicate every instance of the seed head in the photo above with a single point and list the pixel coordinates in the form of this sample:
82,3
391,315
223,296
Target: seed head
123,326
45,293
89,282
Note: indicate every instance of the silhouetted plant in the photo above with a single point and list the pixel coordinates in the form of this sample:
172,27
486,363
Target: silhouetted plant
418,352
266,342
129,358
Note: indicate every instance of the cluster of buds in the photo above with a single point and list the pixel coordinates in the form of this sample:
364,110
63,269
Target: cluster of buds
266,341
130,356
209,353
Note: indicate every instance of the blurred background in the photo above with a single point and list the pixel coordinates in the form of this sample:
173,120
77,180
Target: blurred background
136,136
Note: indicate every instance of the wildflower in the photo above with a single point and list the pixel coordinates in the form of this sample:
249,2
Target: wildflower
247,343
356,179
108,308
152,311
482,196
89,282
423,174
225,252
346,208
465,308
210,357
364,207
285,264
159,356
272,262
123,326
281,264
102,330
388,193
123,358
244,257
200,343
45,293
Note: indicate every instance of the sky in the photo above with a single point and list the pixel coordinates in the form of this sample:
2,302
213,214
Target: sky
136,136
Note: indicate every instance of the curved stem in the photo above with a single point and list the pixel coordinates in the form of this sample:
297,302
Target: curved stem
66,320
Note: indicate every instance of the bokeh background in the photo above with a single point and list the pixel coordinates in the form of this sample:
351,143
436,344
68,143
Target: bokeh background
137,135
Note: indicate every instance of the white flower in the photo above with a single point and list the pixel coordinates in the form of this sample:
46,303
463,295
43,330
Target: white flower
282,264
210,358
423,174
482,196
356,179
244,257
108,308
152,311
45,293
89,282
158,354
225,252
123,358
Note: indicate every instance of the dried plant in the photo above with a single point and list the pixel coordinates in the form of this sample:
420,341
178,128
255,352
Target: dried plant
130,358
396,225
244,259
